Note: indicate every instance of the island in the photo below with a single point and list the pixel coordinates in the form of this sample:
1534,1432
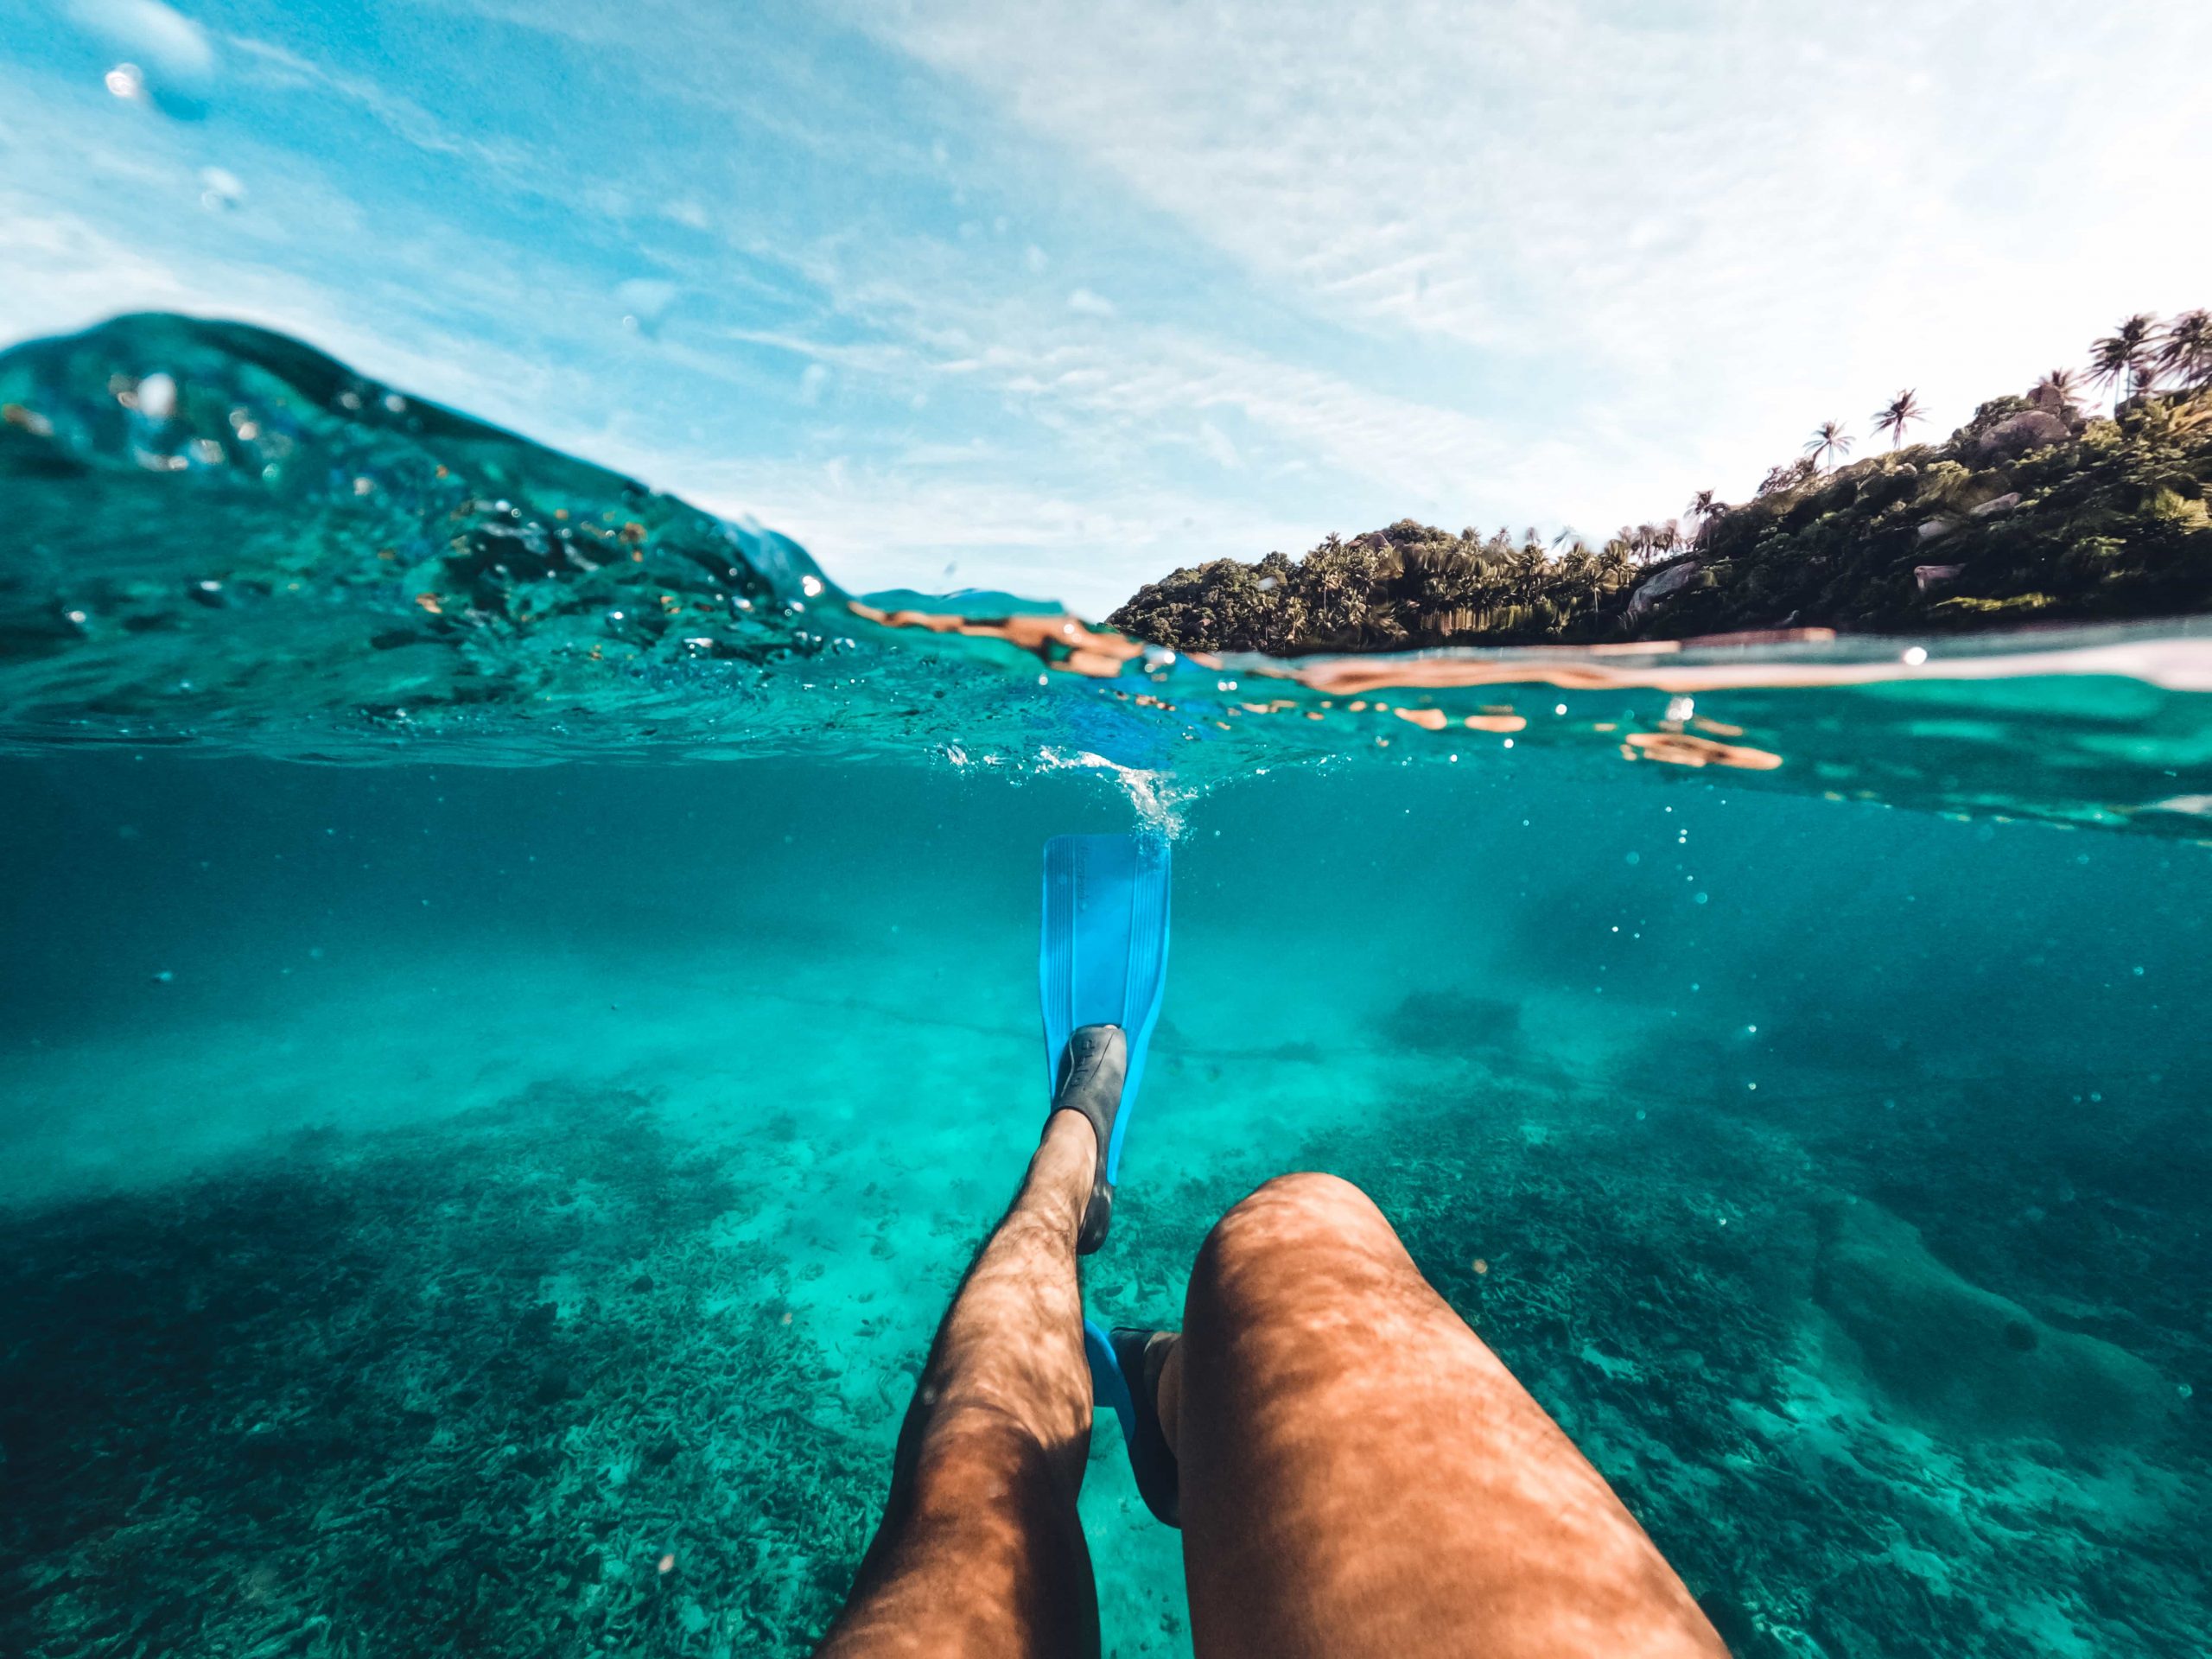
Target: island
2041,508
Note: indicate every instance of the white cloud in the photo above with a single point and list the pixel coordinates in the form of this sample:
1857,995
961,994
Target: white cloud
72,272
879,528
1138,387
397,113
1107,418
220,187
1711,222
156,33
647,298
1515,260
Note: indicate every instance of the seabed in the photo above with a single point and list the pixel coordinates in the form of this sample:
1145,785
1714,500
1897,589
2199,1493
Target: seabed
543,1269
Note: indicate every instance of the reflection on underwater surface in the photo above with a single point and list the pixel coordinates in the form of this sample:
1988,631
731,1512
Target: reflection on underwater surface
480,1197
439,1195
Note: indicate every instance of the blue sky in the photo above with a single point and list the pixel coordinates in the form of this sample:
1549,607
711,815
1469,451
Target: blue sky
1054,296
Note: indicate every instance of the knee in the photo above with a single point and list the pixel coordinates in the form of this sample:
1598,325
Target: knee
1291,1212
1304,1191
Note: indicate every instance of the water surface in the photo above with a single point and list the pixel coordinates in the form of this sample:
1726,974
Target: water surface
497,1092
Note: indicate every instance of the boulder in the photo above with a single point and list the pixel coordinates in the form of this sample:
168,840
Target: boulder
1935,530
1925,576
1997,504
1966,1359
1655,588
2031,429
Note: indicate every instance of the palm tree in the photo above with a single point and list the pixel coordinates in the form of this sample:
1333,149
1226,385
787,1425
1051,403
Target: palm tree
1893,417
1702,506
1618,562
1525,565
2185,352
1829,441
2122,359
2062,390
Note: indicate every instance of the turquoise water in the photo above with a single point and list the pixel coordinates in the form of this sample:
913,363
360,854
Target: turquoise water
496,1095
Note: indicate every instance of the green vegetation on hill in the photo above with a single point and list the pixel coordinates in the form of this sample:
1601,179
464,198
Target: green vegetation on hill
2032,510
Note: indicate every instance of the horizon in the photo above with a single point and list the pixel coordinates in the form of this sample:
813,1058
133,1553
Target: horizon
1051,302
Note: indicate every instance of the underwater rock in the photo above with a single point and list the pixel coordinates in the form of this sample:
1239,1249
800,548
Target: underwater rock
1973,1361
1452,1022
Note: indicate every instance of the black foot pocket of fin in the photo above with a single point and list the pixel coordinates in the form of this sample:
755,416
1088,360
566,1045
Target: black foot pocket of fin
1091,1074
1141,1355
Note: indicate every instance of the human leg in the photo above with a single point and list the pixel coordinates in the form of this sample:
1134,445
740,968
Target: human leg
979,1551
1360,1475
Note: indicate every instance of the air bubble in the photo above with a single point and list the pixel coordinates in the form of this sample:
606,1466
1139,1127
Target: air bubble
157,397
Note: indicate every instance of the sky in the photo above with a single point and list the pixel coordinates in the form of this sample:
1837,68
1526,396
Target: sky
1055,296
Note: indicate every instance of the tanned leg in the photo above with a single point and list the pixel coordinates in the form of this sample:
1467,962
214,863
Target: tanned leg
1360,1475
979,1551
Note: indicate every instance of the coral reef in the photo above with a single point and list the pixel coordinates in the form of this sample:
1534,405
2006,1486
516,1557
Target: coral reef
501,1385
1656,1276
540,1378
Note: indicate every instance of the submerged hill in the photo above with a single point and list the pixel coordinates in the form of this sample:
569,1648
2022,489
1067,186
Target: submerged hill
2030,512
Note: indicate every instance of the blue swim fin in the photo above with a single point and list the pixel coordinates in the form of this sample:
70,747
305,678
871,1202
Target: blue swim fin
1121,1379
1109,1386
1102,959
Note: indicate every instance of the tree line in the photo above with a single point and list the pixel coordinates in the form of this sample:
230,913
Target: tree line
2036,508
